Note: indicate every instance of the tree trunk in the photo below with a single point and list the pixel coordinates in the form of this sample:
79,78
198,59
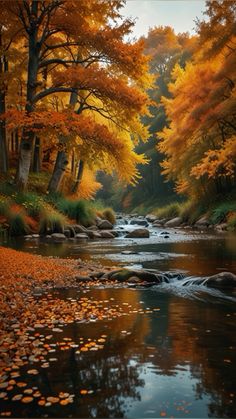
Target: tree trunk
3,141
62,158
58,171
16,141
36,166
79,176
26,146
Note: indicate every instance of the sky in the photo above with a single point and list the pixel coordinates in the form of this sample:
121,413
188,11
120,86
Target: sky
180,14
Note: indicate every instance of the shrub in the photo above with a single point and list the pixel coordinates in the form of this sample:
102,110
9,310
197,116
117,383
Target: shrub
51,221
31,202
78,210
231,223
109,214
17,224
219,214
169,211
4,206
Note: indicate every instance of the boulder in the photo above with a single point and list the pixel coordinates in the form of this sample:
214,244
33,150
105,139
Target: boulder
94,235
105,234
174,222
223,280
139,222
221,227
58,237
67,233
202,222
105,225
151,218
81,236
92,228
79,228
71,229
159,223
139,233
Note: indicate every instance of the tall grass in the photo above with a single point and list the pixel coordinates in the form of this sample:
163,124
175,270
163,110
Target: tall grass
51,221
169,211
109,214
220,212
79,210
32,203
17,224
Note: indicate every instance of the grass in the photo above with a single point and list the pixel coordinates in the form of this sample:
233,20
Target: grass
17,224
4,206
32,203
51,221
169,211
79,210
220,212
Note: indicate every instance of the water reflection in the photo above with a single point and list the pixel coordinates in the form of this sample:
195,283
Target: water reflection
175,361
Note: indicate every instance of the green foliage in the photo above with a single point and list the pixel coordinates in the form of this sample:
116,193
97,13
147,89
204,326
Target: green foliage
4,206
231,224
169,211
219,213
109,214
51,221
17,224
79,210
31,202
191,211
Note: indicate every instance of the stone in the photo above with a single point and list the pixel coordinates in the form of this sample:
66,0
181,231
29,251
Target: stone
79,229
151,218
139,233
164,233
59,237
221,227
81,236
139,222
93,228
159,223
67,233
35,236
174,222
223,280
94,235
202,222
71,229
105,234
105,225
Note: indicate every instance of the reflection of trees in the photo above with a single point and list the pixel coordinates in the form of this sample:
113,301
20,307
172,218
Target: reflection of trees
203,336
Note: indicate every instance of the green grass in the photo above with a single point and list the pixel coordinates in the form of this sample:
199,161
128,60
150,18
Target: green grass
79,210
51,221
109,214
4,206
17,225
169,211
220,212
32,203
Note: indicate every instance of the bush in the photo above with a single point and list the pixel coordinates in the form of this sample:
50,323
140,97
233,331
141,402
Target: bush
4,206
78,210
231,224
17,224
219,214
51,221
109,214
169,211
31,202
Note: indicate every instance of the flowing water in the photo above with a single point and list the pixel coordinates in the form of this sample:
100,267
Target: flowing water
167,351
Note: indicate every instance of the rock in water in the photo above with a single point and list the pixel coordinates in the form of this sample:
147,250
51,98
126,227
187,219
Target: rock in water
105,225
139,233
223,280
174,222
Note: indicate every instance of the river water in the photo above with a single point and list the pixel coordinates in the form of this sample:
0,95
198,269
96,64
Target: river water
167,351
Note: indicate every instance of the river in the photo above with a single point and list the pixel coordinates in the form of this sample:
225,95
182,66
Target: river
165,351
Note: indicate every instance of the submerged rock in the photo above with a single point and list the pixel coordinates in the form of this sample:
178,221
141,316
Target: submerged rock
58,237
139,233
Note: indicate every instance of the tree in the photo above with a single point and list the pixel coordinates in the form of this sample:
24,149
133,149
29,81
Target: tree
79,51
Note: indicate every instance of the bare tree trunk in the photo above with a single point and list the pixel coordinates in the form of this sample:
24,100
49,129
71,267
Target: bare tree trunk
58,172
36,166
73,162
27,139
3,140
79,176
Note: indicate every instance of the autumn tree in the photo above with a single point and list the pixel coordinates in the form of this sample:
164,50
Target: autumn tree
199,142
79,51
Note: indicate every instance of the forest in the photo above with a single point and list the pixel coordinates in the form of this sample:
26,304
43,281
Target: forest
89,113
117,210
